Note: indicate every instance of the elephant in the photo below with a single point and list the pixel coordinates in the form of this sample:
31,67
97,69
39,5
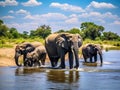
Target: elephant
23,49
34,57
58,44
91,50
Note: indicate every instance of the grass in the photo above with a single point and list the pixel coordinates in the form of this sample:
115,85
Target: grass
9,43
115,45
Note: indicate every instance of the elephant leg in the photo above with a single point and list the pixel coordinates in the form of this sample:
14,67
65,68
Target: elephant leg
85,59
95,58
52,61
62,65
71,59
91,59
38,63
30,63
24,60
56,61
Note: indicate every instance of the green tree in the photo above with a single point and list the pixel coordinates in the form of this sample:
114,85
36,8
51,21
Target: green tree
3,29
91,30
13,33
60,31
74,31
110,36
25,34
42,31
1,22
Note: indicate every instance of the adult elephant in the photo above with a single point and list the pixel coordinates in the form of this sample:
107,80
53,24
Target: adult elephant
57,45
23,49
91,50
34,57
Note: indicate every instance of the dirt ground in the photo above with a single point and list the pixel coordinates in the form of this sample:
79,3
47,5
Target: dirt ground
7,57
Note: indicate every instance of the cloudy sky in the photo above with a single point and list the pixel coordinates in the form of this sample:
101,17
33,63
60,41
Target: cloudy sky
26,15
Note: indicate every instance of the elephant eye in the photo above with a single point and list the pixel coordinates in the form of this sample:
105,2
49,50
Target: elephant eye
20,51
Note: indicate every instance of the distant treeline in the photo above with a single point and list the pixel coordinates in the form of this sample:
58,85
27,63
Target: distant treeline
88,30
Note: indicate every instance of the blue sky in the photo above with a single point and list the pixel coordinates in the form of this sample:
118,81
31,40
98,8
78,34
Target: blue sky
26,15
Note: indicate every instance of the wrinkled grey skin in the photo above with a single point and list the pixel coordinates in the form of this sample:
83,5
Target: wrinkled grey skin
57,45
23,49
34,57
90,51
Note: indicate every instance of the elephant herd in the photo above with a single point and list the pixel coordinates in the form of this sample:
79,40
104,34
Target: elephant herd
56,47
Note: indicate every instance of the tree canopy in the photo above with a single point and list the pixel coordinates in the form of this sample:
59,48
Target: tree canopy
88,30
91,30
42,31
110,36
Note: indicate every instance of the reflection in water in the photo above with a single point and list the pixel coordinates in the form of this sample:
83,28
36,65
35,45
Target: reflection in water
27,70
63,76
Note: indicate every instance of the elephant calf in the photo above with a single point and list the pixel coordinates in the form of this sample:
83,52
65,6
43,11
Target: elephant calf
91,50
34,57
23,49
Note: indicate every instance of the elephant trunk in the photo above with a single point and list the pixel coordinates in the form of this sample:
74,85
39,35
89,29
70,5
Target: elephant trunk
75,49
16,59
101,58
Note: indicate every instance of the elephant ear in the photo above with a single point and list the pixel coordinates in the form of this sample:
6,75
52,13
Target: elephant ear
98,48
79,40
61,41
29,48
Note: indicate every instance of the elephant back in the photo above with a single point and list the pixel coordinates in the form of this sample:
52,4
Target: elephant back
51,38
50,45
36,44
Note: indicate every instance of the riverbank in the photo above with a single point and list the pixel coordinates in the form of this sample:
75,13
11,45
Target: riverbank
7,55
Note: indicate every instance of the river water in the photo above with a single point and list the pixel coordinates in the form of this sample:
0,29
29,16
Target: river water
106,77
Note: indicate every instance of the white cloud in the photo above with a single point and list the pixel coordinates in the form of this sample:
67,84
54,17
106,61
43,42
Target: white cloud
67,7
72,21
8,17
107,15
23,12
90,14
116,22
95,4
110,16
48,16
73,15
24,26
56,16
30,17
11,11
8,3
32,3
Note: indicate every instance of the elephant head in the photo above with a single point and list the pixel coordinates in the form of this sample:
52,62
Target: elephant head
22,49
99,51
71,43
92,50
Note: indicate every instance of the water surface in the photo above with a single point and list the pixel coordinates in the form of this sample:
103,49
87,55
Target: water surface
106,77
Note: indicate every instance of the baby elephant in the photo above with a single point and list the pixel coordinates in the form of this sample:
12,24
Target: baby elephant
91,50
34,57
